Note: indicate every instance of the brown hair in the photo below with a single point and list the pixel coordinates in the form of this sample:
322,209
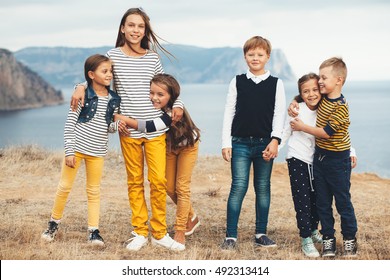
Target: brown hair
171,85
338,66
92,63
185,129
257,42
301,81
149,41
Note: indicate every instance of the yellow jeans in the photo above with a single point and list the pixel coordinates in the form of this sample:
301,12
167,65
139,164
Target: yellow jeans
94,169
180,164
134,150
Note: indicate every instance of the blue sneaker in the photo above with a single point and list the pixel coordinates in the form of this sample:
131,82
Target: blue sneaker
350,247
229,244
264,241
329,247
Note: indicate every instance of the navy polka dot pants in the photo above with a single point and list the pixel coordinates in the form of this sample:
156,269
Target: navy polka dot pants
304,196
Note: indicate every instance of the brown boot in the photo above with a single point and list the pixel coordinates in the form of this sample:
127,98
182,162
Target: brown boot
192,224
180,237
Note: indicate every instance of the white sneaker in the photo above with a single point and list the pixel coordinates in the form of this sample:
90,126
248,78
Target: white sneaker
168,243
136,242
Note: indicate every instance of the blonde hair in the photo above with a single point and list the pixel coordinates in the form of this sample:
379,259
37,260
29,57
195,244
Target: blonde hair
338,66
257,42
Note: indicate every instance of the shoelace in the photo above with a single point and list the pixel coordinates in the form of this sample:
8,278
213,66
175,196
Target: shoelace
328,244
349,245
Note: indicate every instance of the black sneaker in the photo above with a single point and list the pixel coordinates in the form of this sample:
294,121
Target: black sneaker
350,247
229,244
264,241
95,238
51,231
329,247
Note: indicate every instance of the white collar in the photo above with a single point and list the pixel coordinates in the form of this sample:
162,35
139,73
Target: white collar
262,77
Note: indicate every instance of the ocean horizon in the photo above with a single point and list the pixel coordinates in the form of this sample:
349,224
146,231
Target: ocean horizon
368,101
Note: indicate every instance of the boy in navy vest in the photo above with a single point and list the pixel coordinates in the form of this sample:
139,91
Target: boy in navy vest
252,129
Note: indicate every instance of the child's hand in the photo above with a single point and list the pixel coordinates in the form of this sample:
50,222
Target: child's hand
353,161
123,129
227,154
271,151
266,156
78,95
70,161
177,114
293,109
297,124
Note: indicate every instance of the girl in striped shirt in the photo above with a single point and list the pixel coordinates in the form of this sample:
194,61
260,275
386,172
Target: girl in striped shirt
134,65
86,138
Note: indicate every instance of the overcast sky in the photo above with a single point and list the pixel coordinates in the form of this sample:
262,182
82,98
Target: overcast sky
307,31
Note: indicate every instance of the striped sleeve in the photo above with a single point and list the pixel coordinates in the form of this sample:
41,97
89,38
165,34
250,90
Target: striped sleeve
132,76
333,116
69,131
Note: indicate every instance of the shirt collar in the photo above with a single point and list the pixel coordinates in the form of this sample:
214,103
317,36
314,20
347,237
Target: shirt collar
259,78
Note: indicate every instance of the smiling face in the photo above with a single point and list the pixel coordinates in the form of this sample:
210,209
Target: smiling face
102,75
328,82
310,93
134,29
159,95
256,59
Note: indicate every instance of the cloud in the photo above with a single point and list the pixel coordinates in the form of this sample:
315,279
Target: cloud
307,31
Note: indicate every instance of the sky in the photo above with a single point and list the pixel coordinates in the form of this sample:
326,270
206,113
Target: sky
308,32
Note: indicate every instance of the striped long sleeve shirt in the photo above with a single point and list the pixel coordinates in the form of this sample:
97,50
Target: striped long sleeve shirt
333,116
90,138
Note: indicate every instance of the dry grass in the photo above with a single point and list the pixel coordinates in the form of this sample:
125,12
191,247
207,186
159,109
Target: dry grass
28,182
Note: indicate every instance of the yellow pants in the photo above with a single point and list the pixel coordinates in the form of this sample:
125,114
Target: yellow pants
94,169
180,164
134,150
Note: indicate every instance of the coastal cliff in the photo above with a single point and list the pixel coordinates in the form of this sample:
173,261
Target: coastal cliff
22,88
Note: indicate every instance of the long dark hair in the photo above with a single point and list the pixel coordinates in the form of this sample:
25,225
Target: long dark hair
149,41
184,131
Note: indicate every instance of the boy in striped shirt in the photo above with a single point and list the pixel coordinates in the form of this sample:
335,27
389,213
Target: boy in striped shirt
332,164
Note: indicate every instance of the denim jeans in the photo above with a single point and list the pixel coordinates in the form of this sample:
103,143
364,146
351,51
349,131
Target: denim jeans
246,151
332,176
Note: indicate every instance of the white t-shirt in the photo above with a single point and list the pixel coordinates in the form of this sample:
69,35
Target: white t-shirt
301,145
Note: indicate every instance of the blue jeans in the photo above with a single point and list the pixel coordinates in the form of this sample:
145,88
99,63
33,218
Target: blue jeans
246,151
332,176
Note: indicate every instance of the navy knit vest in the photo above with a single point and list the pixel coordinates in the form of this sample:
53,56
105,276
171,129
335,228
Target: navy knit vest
254,107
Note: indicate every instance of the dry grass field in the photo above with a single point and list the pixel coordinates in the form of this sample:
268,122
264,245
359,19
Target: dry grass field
28,182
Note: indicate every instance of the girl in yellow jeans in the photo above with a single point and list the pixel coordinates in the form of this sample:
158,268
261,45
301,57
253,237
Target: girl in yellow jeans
182,151
86,138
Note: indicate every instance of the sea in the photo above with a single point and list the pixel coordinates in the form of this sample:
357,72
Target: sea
369,103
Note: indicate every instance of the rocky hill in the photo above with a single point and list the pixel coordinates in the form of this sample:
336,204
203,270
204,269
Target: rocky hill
21,88
63,66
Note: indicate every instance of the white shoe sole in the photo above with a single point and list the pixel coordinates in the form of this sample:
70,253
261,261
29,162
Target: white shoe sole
136,248
193,229
173,246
